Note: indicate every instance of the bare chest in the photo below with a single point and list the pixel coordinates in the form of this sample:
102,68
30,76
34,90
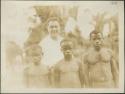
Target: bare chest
37,71
96,57
67,67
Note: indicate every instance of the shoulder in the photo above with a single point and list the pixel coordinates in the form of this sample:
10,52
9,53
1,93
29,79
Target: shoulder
87,52
60,38
58,64
45,67
45,40
108,50
77,60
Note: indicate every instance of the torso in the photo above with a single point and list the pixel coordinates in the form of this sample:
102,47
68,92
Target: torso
99,65
38,76
69,74
51,50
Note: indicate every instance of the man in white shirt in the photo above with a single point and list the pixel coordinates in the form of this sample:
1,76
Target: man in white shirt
51,44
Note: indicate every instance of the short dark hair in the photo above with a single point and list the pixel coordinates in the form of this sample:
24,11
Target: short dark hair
95,32
34,48
58,19
53,19
65,41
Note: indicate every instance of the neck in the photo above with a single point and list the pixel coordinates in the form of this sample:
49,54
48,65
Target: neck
36,64
54,38
97,48
68,58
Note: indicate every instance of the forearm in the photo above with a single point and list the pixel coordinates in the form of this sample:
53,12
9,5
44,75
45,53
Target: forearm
56,79
26,82
86,80
86,76
115,73
116,78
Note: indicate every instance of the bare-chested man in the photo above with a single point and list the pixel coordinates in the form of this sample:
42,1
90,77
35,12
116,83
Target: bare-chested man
68,71
100,70
36,74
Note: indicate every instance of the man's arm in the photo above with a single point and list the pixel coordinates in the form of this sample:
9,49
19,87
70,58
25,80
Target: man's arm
56,77
114,70
26,82
51,76
85,71
81,73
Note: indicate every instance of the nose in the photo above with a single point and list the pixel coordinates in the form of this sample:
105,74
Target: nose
97,42
68,51
54,29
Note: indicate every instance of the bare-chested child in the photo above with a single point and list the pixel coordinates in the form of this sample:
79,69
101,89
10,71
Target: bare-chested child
36,74
100,70
68,71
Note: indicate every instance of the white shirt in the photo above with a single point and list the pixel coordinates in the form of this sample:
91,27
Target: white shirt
52,51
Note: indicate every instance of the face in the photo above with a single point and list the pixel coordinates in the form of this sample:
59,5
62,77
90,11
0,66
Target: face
35,57
53,28
67,50
97,40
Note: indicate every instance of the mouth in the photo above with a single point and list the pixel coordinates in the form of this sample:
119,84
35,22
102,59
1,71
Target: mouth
97,45
68,53
54,31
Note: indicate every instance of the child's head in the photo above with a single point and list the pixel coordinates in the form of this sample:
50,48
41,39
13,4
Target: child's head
67,47
34,53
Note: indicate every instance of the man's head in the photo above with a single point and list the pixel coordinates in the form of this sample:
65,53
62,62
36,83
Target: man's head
34,53
53,27
97,39
67,47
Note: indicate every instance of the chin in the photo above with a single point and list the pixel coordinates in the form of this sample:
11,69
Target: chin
67,55
36,63
97,47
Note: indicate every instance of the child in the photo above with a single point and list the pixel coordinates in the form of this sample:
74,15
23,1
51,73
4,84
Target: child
68,71
36,74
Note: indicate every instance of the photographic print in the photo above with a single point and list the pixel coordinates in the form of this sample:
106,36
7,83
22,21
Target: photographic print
62,46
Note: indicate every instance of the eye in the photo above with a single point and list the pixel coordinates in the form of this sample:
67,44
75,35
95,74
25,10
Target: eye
116,40
51,26
93,38
99,38
55,26
64,48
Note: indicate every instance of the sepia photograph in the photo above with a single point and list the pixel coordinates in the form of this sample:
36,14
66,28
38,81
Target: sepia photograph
62,46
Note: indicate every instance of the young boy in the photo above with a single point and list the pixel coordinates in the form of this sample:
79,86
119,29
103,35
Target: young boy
68,71
36,74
